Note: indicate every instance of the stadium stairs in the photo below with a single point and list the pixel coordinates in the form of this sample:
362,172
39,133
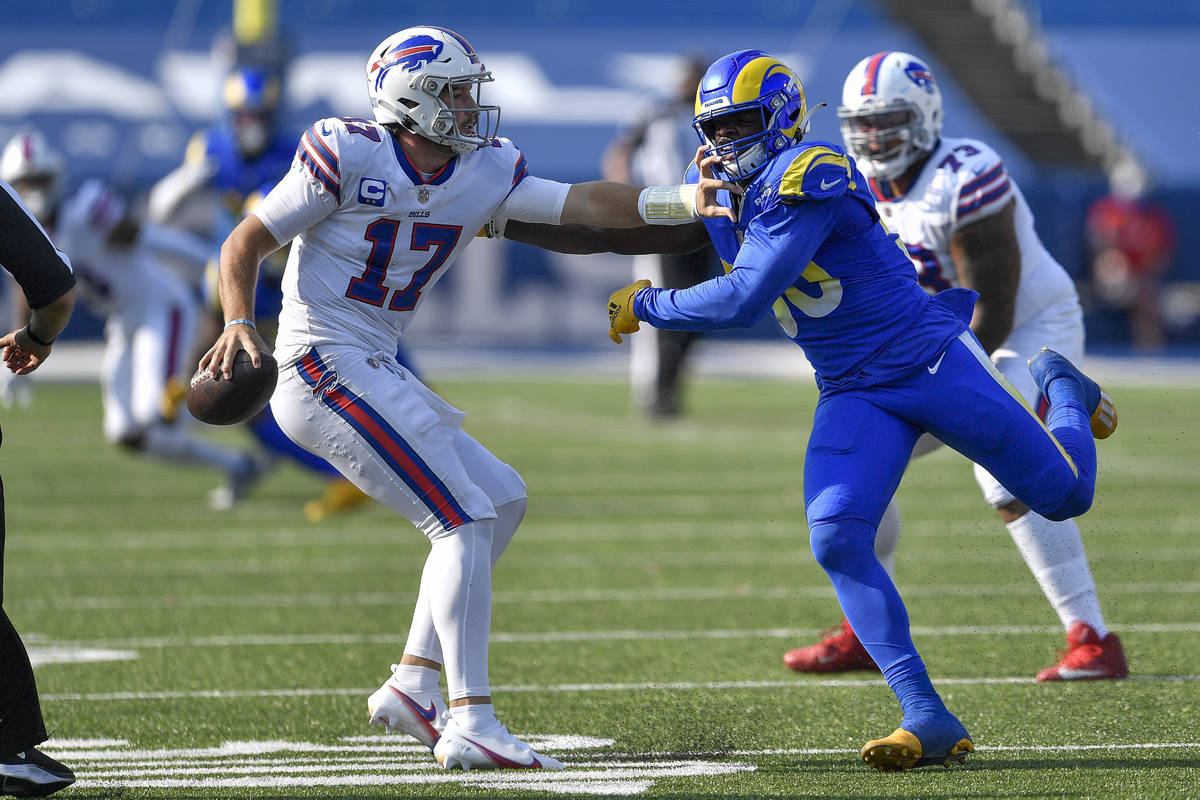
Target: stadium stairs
998,56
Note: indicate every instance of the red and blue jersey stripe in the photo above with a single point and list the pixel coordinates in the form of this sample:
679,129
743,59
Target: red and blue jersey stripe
520,170
385,440
321,161
989,188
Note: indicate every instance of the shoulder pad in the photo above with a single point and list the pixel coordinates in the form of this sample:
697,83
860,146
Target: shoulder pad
321,146
817,172
983,186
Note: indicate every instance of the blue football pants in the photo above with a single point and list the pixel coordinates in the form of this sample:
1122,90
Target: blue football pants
860,446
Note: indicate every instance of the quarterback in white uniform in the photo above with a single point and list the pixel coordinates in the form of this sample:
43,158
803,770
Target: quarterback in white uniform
379,210
150,316
964,222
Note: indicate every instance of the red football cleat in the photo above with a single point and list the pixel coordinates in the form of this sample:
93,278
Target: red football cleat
1087,657
838,651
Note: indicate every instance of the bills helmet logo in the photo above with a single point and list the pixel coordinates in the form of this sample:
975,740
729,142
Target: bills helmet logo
919,74
409,55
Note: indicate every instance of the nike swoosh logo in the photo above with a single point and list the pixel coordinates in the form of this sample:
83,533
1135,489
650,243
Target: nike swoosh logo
427,713
1068,674
501,760
830,184
936,365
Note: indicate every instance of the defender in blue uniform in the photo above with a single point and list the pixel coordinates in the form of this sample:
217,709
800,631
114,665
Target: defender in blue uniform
803,239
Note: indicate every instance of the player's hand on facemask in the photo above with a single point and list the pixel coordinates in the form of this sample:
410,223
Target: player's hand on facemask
620,310
708,186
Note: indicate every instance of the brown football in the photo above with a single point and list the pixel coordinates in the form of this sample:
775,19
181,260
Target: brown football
221,401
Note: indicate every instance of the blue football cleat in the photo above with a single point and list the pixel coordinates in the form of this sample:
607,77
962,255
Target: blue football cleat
1048,365
920,743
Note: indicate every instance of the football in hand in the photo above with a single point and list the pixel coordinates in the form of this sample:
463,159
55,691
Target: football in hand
222,401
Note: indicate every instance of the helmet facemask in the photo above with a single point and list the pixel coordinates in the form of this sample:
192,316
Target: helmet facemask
742,159
438,117
885,140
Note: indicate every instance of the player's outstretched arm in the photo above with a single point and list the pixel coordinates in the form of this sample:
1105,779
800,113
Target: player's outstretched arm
241,254
581,239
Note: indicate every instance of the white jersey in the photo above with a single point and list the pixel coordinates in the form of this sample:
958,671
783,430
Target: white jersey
111,279
373,234
964,181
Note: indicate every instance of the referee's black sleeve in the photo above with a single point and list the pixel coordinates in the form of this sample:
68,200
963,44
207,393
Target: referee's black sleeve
28,254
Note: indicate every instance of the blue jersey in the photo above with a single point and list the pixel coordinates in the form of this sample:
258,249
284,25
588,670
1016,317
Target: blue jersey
235,176
809,245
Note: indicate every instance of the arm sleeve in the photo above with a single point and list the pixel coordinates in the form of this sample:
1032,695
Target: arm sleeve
778,246
295,204
43,272
534,200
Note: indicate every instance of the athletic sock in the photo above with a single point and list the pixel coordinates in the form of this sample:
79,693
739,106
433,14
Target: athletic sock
1055,555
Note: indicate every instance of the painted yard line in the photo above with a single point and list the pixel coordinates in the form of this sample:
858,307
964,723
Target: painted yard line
689,594
288,640
633,560
799,683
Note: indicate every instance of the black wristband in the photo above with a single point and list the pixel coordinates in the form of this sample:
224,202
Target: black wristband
35,339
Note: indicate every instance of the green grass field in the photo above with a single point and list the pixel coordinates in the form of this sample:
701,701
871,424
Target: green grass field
639,621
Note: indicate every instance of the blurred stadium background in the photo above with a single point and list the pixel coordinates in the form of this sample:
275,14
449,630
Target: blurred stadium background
1064,89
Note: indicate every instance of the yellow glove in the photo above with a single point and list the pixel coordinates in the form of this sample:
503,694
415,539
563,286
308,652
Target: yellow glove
620,310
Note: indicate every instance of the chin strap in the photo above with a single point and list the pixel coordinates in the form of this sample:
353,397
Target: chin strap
802,128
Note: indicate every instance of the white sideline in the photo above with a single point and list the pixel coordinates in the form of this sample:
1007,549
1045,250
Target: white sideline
674,686
288,640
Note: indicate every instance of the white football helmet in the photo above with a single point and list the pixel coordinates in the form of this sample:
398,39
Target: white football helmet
411,80
891,113
31,166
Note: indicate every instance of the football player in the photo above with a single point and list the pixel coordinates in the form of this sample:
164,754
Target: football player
803,239
964,222
379,210
150,315
226,170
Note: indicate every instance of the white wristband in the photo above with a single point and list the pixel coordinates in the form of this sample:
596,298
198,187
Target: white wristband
242,321
668,205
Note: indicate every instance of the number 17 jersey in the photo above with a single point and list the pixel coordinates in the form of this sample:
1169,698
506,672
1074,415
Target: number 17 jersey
372,234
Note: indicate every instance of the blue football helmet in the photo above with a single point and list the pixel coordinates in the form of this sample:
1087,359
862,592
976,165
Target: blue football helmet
252,96
750,80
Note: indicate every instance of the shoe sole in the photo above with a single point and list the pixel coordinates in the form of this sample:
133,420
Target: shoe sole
894,757
1104,418
24,787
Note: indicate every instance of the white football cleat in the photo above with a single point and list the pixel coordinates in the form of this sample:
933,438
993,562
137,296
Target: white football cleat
493,749
422,715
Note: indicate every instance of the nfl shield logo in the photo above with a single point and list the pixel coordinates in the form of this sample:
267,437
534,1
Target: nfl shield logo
423,195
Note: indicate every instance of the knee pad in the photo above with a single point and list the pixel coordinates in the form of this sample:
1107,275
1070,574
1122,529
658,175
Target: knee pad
835,542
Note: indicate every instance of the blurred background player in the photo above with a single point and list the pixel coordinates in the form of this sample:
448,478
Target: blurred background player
44,275
964,222
655,148
150,315
1131,240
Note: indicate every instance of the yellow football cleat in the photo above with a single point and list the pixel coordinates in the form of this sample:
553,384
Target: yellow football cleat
340,495
902,751
174,393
